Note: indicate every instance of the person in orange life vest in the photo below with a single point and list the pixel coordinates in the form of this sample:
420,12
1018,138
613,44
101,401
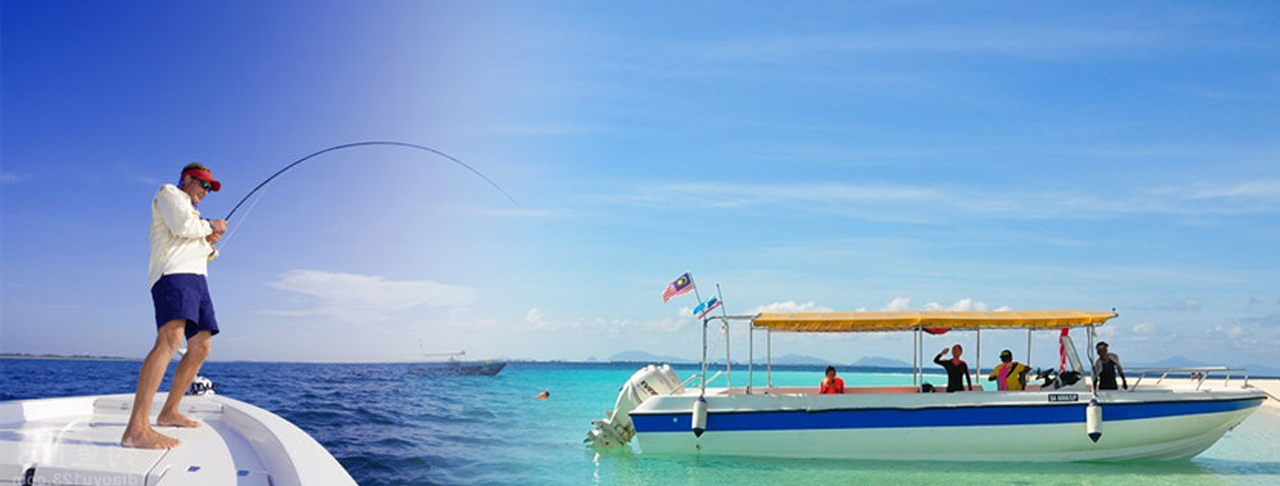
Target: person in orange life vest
832,384
1012,375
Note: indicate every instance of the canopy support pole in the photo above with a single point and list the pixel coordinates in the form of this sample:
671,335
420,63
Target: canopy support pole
768,363
728,361
1089,352
978,358
1028,348
751,356
703,388
915,358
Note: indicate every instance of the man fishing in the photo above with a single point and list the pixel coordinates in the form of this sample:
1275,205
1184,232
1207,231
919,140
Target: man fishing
181,245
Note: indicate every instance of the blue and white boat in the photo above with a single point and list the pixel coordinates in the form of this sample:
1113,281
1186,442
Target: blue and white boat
1063,419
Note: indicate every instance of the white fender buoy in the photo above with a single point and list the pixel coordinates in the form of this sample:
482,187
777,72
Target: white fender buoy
1093,420
699,421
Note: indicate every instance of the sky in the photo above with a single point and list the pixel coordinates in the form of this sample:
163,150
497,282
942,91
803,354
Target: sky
822,156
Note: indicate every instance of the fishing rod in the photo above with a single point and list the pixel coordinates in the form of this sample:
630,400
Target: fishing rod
366,144
344,146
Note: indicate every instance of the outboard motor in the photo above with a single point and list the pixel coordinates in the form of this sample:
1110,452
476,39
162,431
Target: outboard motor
616,429
200,386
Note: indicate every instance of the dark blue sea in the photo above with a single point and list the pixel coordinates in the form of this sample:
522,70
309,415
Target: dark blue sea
388,426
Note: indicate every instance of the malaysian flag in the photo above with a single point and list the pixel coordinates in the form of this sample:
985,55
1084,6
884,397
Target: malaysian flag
681,286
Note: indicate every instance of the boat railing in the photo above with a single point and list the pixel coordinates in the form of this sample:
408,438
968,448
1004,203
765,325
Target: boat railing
695,376
1198,374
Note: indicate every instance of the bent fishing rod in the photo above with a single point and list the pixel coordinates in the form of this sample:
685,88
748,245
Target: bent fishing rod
344,146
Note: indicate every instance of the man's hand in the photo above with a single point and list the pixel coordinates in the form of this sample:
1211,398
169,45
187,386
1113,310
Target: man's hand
219,228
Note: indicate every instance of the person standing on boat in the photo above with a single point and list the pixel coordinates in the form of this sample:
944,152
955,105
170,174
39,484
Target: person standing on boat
1009,375
181,246
956,368
1106,368
832,384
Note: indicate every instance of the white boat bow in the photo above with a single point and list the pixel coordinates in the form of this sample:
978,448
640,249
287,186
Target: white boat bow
76,441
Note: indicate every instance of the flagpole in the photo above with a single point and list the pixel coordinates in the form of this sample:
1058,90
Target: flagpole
693,283
728,361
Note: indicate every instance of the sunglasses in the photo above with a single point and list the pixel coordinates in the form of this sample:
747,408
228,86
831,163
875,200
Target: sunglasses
203,184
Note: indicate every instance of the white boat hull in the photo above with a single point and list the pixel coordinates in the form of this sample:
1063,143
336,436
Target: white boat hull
76,441
1014,426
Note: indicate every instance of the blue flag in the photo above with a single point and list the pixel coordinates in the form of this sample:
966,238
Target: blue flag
706,307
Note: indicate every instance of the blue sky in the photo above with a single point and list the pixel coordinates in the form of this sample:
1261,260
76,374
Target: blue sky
899,155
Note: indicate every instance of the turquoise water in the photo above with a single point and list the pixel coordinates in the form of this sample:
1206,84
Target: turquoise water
387,426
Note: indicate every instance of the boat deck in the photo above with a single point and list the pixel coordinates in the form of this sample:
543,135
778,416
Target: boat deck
64,441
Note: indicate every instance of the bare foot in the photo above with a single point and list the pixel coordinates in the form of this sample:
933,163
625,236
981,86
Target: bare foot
148,438
175,420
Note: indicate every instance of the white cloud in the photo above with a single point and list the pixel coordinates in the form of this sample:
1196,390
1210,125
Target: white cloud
1185,305
1259,189
1041,41
600,326
898,304
366,298
462,316
1231,332
965,304
11,178
790,306
936,203
1106,332
1144,329
534,316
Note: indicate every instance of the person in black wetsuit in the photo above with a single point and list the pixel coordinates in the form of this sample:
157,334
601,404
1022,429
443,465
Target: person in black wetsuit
1106,368
956,368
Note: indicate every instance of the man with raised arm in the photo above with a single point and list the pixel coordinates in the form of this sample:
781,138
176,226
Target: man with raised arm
181,247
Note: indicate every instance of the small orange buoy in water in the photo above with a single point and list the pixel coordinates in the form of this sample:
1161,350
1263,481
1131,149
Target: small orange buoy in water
544,395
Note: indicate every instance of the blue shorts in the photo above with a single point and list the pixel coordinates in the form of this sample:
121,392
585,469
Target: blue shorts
184,296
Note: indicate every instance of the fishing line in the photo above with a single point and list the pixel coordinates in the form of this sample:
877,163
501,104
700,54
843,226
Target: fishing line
262,185
247,212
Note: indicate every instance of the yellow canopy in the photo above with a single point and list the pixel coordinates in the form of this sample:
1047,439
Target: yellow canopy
906,321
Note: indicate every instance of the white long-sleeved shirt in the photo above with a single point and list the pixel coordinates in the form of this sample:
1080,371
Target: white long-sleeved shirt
177,235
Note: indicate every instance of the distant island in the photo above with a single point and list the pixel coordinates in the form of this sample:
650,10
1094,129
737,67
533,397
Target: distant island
633,356
881,362
641,356
83,357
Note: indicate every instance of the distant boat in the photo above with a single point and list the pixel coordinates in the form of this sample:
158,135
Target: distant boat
456,367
